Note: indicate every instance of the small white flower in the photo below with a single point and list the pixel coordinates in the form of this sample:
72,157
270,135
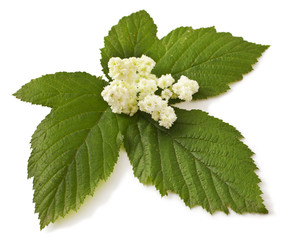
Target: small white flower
185,88
166,94
167,117
113,65
147,85
145,65
122,69
152,103
121,97
165,81
155,115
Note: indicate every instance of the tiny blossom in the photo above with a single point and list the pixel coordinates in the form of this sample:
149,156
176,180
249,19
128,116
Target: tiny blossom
135,88
121,97
166,94
165,81
145,65
133,61
167,117
152,103
122,69
155,115
147,85
185,88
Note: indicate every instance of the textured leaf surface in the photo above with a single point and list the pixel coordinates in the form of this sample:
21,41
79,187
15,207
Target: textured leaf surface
74,147
213,59
53,90
200,158
133,36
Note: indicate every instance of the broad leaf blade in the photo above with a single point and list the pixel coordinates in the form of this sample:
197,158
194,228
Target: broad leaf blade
200,158
53,90
78,149
133,36
75,147
211,58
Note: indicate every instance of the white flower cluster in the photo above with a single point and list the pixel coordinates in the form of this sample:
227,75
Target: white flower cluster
133,87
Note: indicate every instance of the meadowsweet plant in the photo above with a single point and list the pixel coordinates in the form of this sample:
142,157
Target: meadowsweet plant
197,156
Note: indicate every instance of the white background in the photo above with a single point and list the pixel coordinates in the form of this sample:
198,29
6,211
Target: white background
40,37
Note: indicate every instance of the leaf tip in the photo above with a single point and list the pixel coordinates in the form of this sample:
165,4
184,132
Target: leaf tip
263,209
265,47
17,94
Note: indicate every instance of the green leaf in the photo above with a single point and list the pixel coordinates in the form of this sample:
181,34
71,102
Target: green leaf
75,147
200,158
53,90
133,36
213,59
